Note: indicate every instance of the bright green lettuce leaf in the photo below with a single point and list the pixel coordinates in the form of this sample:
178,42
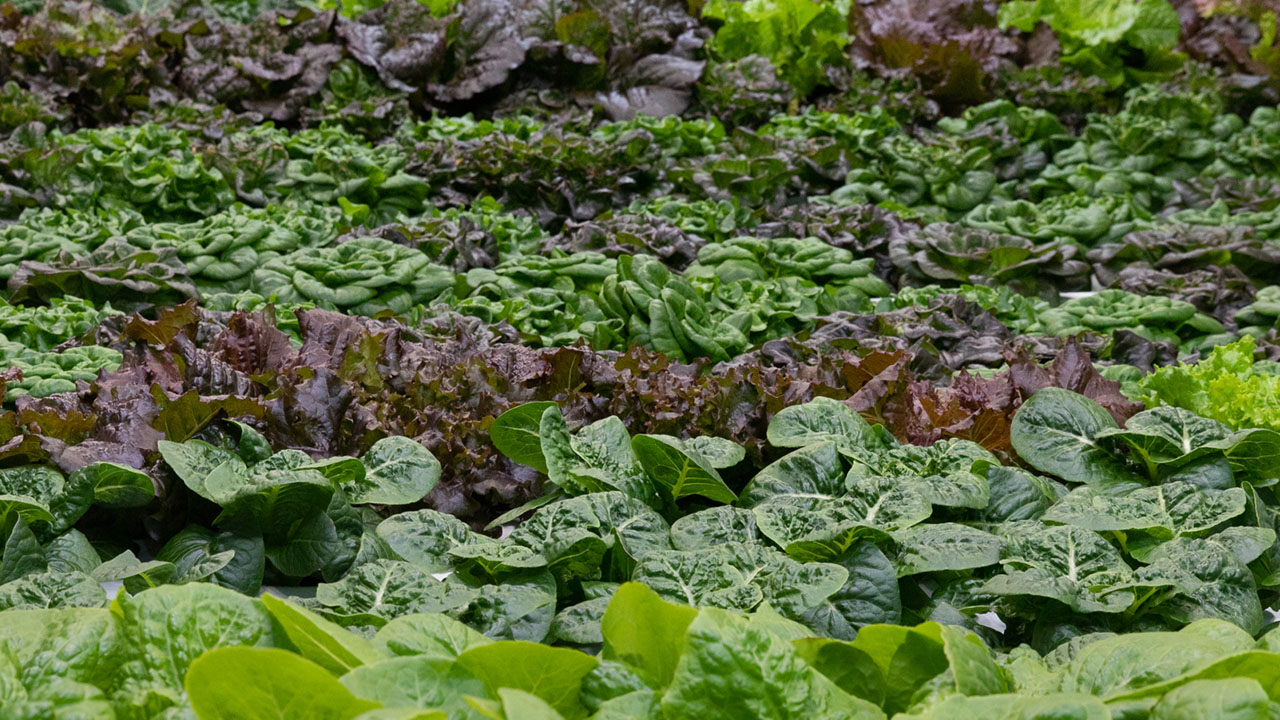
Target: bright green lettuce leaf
644,631
553,674
332,647
434,635
800,37
232,683
164,629
1225,386
721,674
385,589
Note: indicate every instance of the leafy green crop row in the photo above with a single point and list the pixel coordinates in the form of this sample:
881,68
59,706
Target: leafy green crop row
1164,522
656,659
639,360
853,551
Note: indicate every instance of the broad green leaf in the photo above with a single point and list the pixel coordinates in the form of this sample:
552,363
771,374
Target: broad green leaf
739,577
610,682
1014,707
769,620
952,470
41,496
870,595
1134,664
1071,565
1019,495
521,704
604,449
1246,543
580,624
973,668
630,527
809,471
135,574
72,552
907,658
344,472
635,705
645,632
714,526
553,674
163,629
235,683
582,536
678,472
433,635
1230,699
192,461
252,446
850,668
717,452
403,714
1211,472
1168,510
1254,452
492,561
385,589
819,528
720,676
425,537
52,589
117,486
941,547
1169,435
400,471
200,554
22,554
557,451
416,681
21,508
515,434
820,420
1057,432
268,503
331,647
1209,582
80,644
303,545
521,608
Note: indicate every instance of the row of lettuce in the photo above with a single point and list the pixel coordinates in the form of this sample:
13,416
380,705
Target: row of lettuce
308,62
702,314
1154,542
1166,520
781,408
144,658
656,660
1002,167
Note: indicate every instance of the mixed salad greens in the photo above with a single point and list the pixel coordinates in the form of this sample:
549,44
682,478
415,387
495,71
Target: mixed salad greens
538,360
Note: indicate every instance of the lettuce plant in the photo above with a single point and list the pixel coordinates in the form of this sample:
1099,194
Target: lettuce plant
1227,385
1108,38
799,37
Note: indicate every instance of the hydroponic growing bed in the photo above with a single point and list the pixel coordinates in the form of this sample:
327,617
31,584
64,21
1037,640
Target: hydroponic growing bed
639,360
